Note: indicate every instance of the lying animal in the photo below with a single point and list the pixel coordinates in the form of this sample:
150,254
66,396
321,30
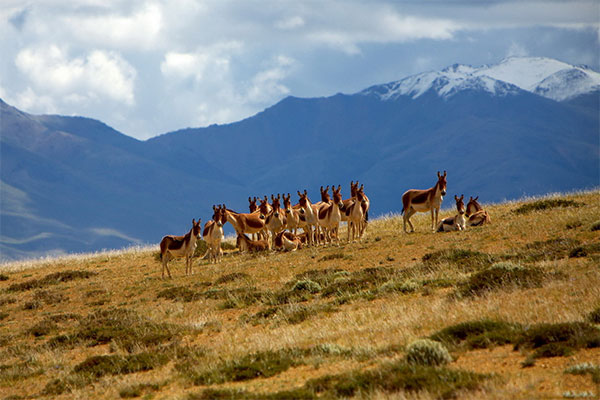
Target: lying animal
245,244
456,223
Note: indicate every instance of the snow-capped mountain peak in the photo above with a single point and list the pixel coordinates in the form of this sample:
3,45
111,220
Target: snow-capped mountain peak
543,76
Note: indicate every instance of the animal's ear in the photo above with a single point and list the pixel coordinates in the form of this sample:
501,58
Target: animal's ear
462,196
444,174
470,198
476,198
438,174
339,187
249,199
321,189
279,195
299,194
456,197
305,192
272,197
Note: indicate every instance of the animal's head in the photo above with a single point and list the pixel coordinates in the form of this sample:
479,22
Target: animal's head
252,204
473,205
441,183
223,213
217,215
303,199
325,195
287,204
337,195
460,205
197,228
353,188
275,203
263,207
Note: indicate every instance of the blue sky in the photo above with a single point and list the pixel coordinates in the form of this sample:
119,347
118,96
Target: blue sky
149,67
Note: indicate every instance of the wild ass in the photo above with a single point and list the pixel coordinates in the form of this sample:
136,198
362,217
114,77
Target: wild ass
276,220
213,234
287,241
180,246
246,223
415,200
329,213
310,212
476,214
246,244
293,216
457,222
354,211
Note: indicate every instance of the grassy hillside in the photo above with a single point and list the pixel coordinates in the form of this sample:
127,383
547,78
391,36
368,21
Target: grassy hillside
513,309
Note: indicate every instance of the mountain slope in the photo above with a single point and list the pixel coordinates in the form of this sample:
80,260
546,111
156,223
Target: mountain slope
75,184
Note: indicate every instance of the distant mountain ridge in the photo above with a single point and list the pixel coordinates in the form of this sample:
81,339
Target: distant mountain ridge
75,184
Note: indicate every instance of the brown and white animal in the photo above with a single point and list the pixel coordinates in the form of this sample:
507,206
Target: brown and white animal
476,214
457,222
329,213
180,246
246,244
287,241
294,219
252,204
415,200
275,221
366,205
311,214
354,211
246,223
213,234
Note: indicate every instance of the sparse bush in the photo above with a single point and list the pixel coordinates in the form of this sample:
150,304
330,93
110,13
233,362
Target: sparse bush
578,252
179,293
99,366
3,315
465,260
541,205
478,334
405,286
552,340
255,365
333,256
594,316
584,369
290,313
427,352
503,275
19,371
138,390
595,226
3,277
306,285
52,279
232,277
546,250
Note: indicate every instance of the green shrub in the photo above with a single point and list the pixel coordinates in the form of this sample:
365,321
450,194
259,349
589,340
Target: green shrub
546,204
405,286
503,275
99,366
551,340
584,369
595,226
306,285
478,334
138,390
3,277
465,260
594,316
427,352
19,371
551,249
231,277
52,279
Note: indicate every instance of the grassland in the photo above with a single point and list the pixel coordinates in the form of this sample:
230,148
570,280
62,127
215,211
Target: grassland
513,308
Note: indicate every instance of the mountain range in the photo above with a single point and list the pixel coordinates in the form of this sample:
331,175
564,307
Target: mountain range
526,126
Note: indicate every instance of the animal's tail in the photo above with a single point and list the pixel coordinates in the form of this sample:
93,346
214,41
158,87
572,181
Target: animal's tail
402,212
367,216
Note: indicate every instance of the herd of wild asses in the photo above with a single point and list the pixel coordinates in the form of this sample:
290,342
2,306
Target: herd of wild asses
275,225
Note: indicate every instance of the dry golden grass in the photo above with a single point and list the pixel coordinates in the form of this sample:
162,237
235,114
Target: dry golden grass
241,328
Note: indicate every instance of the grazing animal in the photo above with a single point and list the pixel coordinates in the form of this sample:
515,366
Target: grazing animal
246,244
246,223
415,200
276,220
310,212
180,246
213,234
329,213
476,214
457,222
287,241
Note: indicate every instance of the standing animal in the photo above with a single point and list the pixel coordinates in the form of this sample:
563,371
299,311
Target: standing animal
476,214
329,213
415,200
457,222
245,244
310,212
213,234
354,211
276,220
180,246
293,216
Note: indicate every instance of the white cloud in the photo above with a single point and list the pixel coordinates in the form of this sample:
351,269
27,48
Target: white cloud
516,50
99,75
290,23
